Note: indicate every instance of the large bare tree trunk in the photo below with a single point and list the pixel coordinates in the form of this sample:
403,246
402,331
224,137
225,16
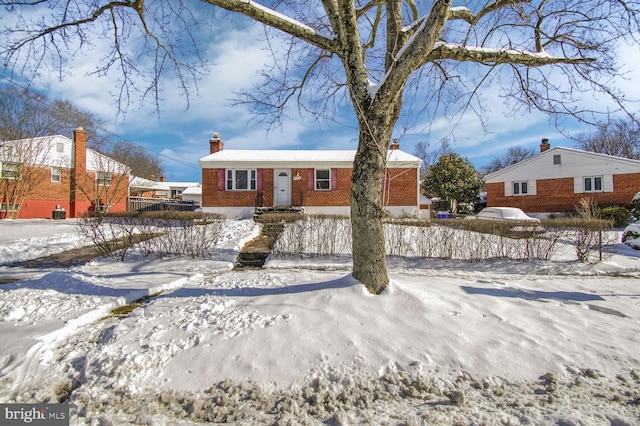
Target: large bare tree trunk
367,210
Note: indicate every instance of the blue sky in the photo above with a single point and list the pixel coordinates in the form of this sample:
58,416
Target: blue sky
181,135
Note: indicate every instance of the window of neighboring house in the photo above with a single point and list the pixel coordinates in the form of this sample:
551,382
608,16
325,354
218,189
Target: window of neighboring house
241,180
176,192
9,207
593,184
56,174
59,146
557,159
520,188
10,170
103,178
323,179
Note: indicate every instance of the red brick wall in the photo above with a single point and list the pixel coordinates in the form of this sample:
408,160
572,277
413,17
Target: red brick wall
402,183
556,195
44,196
401,187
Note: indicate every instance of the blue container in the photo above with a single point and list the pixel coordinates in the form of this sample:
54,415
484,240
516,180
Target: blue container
442,215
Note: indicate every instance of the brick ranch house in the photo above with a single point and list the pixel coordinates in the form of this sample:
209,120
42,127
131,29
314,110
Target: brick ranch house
237,182
58,174
555,180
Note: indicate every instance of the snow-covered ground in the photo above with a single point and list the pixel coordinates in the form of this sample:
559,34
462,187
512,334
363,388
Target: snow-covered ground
301,342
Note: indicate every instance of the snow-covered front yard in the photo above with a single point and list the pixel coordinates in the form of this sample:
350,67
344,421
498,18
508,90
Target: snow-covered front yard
301,342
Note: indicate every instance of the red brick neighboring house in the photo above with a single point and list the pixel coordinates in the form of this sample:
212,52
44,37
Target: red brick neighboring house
235,182
555,180
60,175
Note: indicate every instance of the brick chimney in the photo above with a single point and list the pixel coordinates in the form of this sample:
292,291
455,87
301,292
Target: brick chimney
394,144
78,173
215,143
544,145
161,178
80,150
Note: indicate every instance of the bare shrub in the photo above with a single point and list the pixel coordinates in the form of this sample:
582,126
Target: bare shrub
112,234
315,235
450,239
161,233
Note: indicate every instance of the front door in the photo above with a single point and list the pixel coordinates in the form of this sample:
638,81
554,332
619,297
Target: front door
282,187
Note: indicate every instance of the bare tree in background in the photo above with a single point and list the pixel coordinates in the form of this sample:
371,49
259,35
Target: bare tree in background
513,155
26,114
430,155
142,163
22,114
617,137
376,56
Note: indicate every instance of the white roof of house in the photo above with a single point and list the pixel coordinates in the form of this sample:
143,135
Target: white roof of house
572,162
142,183
182,184
192,190
299,158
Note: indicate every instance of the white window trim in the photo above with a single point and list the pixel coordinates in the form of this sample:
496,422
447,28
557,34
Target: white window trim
13,174
54,174
252,179
519,183
593,183
103,178
316,180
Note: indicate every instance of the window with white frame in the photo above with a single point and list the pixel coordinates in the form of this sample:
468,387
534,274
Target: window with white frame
520,188
103,178
59,146
241,180
10,171
56,174
323,179
593,184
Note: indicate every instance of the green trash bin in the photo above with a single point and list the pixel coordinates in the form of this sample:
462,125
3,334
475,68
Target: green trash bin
58,214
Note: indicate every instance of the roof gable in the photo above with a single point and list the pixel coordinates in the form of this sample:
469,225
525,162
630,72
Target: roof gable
49,155
572,162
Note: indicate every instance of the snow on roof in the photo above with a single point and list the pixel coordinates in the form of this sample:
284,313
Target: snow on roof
182,184
300,156
142,183
192,190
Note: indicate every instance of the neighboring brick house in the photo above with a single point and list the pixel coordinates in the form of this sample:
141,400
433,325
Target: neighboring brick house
236,182
555,180
58,174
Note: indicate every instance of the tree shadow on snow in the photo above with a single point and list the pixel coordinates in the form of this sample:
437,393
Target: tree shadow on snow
343,282
567,296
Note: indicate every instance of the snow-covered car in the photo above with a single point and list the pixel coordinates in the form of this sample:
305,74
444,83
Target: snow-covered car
503,213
